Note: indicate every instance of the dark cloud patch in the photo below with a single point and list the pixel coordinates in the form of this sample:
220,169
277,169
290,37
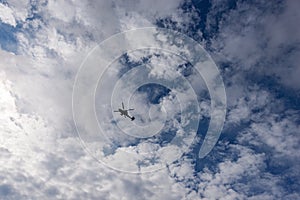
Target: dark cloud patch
6,190
52,191
53,163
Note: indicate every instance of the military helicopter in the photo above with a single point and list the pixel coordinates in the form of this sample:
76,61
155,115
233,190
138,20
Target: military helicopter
124,112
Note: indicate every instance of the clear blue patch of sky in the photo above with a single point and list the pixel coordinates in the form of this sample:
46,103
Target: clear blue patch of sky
8,39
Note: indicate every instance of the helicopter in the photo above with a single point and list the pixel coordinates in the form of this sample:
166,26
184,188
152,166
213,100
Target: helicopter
124,112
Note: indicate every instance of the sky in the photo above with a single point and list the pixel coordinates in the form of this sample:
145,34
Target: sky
51,51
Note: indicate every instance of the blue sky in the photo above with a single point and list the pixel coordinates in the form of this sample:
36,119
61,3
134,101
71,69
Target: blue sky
255,45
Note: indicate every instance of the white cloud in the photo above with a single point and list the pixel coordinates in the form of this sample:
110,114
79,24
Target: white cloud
265,42
20,9
239,178
6,15
47,166
153,9
40,148
41,159
279,134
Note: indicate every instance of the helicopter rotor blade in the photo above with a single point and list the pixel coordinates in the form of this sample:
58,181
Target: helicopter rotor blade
123,105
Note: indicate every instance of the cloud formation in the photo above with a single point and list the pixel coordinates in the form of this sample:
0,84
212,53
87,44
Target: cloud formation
256,46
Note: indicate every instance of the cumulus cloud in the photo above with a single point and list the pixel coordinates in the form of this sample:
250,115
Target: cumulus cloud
264,41
7,15
40,155
257,54
39,146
